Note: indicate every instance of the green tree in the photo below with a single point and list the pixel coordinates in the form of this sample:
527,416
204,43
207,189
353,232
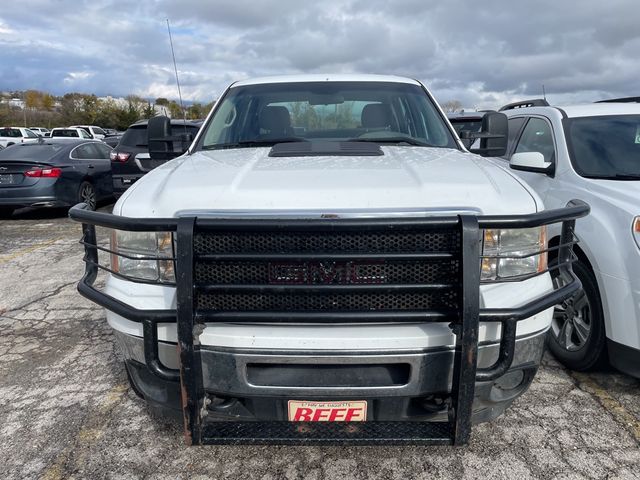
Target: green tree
107,114
148,111
197,110
71,109
90,108
175,110
162,101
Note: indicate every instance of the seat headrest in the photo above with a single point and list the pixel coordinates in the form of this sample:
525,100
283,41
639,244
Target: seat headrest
376,115
275,119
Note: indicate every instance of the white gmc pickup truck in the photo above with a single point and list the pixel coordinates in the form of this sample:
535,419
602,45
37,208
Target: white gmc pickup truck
327,263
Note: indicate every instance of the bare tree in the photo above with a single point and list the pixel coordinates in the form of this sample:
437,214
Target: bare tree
452,106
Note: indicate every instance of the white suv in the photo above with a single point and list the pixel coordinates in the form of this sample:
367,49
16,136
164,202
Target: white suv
592,153
12,135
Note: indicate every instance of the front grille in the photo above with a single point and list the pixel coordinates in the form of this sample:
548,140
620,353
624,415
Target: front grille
351,271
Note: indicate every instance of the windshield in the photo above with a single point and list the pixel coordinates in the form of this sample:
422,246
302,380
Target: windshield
606,147
10,132
64,133
391,113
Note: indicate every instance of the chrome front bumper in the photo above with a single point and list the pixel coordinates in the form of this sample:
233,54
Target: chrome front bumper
270,378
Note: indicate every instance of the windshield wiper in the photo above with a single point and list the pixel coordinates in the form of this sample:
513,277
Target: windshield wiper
617,176
254,143
396,140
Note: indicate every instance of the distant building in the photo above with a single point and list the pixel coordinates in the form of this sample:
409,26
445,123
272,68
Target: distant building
16,103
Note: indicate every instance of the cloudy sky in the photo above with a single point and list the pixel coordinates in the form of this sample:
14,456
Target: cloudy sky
482,53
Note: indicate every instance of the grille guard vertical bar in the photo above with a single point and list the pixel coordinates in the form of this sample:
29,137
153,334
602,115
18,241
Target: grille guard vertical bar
465,358
191,384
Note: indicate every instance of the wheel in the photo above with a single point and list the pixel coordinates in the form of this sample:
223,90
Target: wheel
87,194
6,212
577,335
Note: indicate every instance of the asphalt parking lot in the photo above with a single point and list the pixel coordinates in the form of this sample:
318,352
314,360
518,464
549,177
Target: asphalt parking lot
66,410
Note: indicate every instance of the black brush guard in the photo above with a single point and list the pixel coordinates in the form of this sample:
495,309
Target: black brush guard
463,313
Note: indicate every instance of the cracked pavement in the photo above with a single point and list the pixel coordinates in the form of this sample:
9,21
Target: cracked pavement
66,410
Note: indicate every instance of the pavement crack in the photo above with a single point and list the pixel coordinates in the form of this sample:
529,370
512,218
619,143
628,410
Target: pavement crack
55,292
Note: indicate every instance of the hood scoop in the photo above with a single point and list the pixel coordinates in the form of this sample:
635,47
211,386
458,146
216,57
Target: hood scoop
324,148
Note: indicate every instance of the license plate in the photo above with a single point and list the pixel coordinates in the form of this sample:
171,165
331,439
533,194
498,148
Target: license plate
6,179
339,411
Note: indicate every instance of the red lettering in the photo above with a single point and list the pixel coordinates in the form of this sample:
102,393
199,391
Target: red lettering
319,413
336,413
303,415
351,413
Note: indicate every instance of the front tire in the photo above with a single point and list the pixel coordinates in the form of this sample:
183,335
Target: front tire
577,336
87,195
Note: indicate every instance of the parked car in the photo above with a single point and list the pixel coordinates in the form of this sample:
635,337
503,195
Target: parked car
40,131
14,135
589,152
339,257
93,130
54,173
130,158
70,132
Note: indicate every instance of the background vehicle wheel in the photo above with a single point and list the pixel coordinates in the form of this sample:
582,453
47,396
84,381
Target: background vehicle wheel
577,335
87,194
6,212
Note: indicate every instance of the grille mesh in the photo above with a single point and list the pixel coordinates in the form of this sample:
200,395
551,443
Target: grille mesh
404,272
319,302
276,242
328,433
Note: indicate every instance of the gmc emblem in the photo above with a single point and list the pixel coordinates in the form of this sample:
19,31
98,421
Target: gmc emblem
326,273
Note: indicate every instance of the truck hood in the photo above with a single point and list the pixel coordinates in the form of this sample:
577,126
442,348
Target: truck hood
404,178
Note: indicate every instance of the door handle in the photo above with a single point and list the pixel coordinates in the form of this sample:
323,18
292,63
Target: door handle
91,166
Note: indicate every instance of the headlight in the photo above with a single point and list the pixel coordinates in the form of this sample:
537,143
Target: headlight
635,228
513,253
143,255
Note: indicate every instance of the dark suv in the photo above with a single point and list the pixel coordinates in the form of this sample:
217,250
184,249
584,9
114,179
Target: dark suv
130,158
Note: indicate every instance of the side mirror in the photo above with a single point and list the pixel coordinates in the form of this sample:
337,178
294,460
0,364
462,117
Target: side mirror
163,145
493,135
530,162
159,138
